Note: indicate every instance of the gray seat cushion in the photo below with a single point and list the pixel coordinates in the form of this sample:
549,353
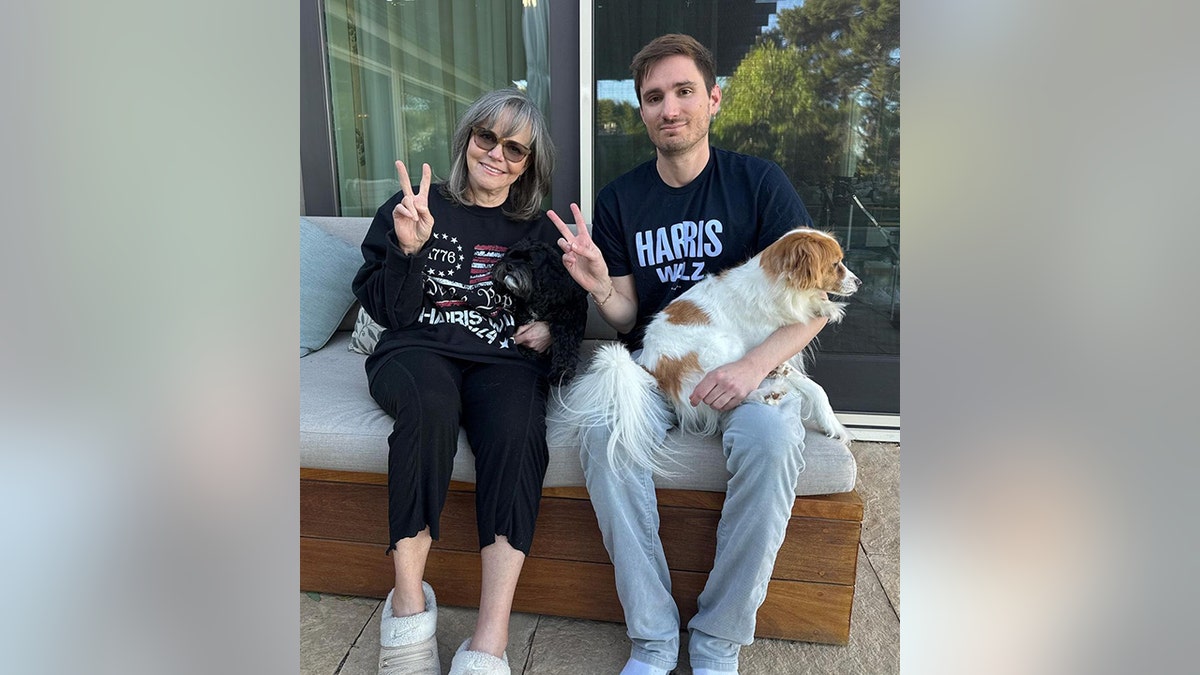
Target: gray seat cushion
342,428
349,229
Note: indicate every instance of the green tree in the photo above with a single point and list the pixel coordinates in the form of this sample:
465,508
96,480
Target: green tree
771,109
617,118
821,95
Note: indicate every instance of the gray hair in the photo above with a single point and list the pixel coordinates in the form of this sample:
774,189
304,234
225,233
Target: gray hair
526,194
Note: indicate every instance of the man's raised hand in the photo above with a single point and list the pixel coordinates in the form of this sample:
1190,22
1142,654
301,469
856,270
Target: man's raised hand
411,217
580,255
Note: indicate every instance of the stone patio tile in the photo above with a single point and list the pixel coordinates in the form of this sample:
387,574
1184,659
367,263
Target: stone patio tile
879,487
577,646
329,625
888,569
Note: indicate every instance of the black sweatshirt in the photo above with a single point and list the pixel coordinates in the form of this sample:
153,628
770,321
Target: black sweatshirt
441,298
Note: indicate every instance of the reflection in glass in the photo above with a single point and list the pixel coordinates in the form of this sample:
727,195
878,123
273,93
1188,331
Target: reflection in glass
401,73
813,86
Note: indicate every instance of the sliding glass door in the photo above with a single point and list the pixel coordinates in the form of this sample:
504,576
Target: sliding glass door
401,73
814,87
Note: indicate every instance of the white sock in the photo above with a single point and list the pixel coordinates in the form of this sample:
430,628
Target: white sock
706,671
635,667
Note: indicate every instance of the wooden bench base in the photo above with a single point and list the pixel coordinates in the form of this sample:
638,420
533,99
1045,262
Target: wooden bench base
343,536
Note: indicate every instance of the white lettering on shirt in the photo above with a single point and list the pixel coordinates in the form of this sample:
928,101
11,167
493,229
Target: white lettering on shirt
672,250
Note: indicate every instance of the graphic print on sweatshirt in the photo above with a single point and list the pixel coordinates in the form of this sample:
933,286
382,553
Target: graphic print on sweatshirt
459,284
679,252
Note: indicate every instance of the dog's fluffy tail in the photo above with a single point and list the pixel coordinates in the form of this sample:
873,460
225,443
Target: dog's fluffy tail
617,393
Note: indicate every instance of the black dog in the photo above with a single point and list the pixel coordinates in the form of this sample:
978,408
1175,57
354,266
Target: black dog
532,274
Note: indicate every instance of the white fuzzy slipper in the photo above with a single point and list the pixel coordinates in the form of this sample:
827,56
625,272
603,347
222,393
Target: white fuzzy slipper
408,644
467,662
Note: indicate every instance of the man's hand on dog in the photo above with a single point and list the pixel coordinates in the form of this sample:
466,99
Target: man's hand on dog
411,217
535,336
725,388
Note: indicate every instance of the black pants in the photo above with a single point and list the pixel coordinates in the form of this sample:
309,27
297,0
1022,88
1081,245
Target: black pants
503,409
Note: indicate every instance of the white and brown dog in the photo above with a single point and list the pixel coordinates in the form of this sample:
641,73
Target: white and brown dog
715,322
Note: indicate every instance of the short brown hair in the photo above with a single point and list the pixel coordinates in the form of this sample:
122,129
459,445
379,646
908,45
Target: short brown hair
670,45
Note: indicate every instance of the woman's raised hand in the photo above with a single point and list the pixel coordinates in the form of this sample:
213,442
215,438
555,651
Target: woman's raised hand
411,216
580,255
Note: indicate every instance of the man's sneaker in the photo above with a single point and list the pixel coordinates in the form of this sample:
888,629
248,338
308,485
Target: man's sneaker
408,644
467,662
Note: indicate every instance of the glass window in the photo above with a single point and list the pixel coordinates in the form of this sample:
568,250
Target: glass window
813,86
401,73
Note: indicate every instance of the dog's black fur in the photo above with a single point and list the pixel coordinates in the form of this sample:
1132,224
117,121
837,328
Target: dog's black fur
531,272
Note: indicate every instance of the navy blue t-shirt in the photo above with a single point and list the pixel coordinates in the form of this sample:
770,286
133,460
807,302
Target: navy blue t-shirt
670,238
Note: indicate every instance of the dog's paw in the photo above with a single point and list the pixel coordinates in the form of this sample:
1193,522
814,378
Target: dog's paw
842,434
831,427
767,395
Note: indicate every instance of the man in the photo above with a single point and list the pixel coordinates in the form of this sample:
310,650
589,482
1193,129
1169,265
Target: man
694,210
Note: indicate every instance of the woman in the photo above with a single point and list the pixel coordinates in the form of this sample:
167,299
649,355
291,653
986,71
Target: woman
447,358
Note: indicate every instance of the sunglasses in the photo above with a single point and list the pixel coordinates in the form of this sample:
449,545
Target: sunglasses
486,140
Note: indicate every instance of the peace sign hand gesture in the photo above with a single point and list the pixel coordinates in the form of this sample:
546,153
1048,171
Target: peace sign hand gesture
411,217
581,257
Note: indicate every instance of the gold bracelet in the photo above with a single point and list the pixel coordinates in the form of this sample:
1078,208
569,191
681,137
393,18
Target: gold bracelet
600,303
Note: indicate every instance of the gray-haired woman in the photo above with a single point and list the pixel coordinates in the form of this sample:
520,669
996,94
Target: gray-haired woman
448,357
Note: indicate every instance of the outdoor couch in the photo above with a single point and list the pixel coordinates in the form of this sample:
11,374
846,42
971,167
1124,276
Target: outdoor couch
343,496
